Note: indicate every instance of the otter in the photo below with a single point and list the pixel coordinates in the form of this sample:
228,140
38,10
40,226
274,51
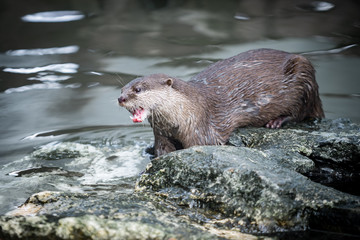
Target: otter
262,87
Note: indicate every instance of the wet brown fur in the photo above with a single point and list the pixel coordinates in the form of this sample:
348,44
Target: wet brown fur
253,88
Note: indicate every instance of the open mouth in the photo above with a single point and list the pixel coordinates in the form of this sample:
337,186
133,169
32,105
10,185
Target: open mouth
139,115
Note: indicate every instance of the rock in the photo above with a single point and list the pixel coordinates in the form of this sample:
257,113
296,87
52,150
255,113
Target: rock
35,203
241,188
332,145
81,216
271,181
264,184
31,227
336,141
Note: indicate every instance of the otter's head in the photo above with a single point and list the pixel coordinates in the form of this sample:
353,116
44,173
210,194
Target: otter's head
144,96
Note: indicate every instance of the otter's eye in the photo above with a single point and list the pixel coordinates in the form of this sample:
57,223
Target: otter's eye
137,90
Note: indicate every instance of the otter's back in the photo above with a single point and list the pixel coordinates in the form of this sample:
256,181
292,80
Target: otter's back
251,63
263,84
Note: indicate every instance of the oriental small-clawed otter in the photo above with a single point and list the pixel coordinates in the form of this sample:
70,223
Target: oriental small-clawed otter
261,87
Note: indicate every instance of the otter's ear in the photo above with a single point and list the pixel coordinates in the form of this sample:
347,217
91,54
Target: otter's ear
169,82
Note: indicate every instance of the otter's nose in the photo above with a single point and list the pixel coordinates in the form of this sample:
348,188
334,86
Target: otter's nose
121,100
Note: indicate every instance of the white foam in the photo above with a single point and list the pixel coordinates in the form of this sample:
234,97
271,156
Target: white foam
123,164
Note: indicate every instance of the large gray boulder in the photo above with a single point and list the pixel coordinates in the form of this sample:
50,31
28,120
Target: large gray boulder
265,183
245,189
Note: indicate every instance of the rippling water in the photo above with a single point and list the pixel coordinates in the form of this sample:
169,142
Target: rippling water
62,66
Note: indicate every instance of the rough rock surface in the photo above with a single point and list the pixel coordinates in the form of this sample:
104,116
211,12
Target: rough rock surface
243,188
301,177
55,215
336,141
332,145
267,183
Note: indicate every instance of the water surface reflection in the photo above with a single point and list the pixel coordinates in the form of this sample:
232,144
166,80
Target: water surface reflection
62,65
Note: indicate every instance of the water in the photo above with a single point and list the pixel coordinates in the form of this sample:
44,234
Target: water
62,65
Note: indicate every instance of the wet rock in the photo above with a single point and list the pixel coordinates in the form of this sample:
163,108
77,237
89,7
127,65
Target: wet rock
240,188
263,184
332,145
31,227
270,181
334,140
82,216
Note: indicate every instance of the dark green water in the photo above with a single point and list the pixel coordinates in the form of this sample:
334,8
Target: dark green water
61,73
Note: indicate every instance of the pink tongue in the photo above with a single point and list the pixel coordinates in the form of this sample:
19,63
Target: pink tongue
138,115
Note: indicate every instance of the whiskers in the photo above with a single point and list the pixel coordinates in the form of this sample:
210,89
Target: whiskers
120,80
115,101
